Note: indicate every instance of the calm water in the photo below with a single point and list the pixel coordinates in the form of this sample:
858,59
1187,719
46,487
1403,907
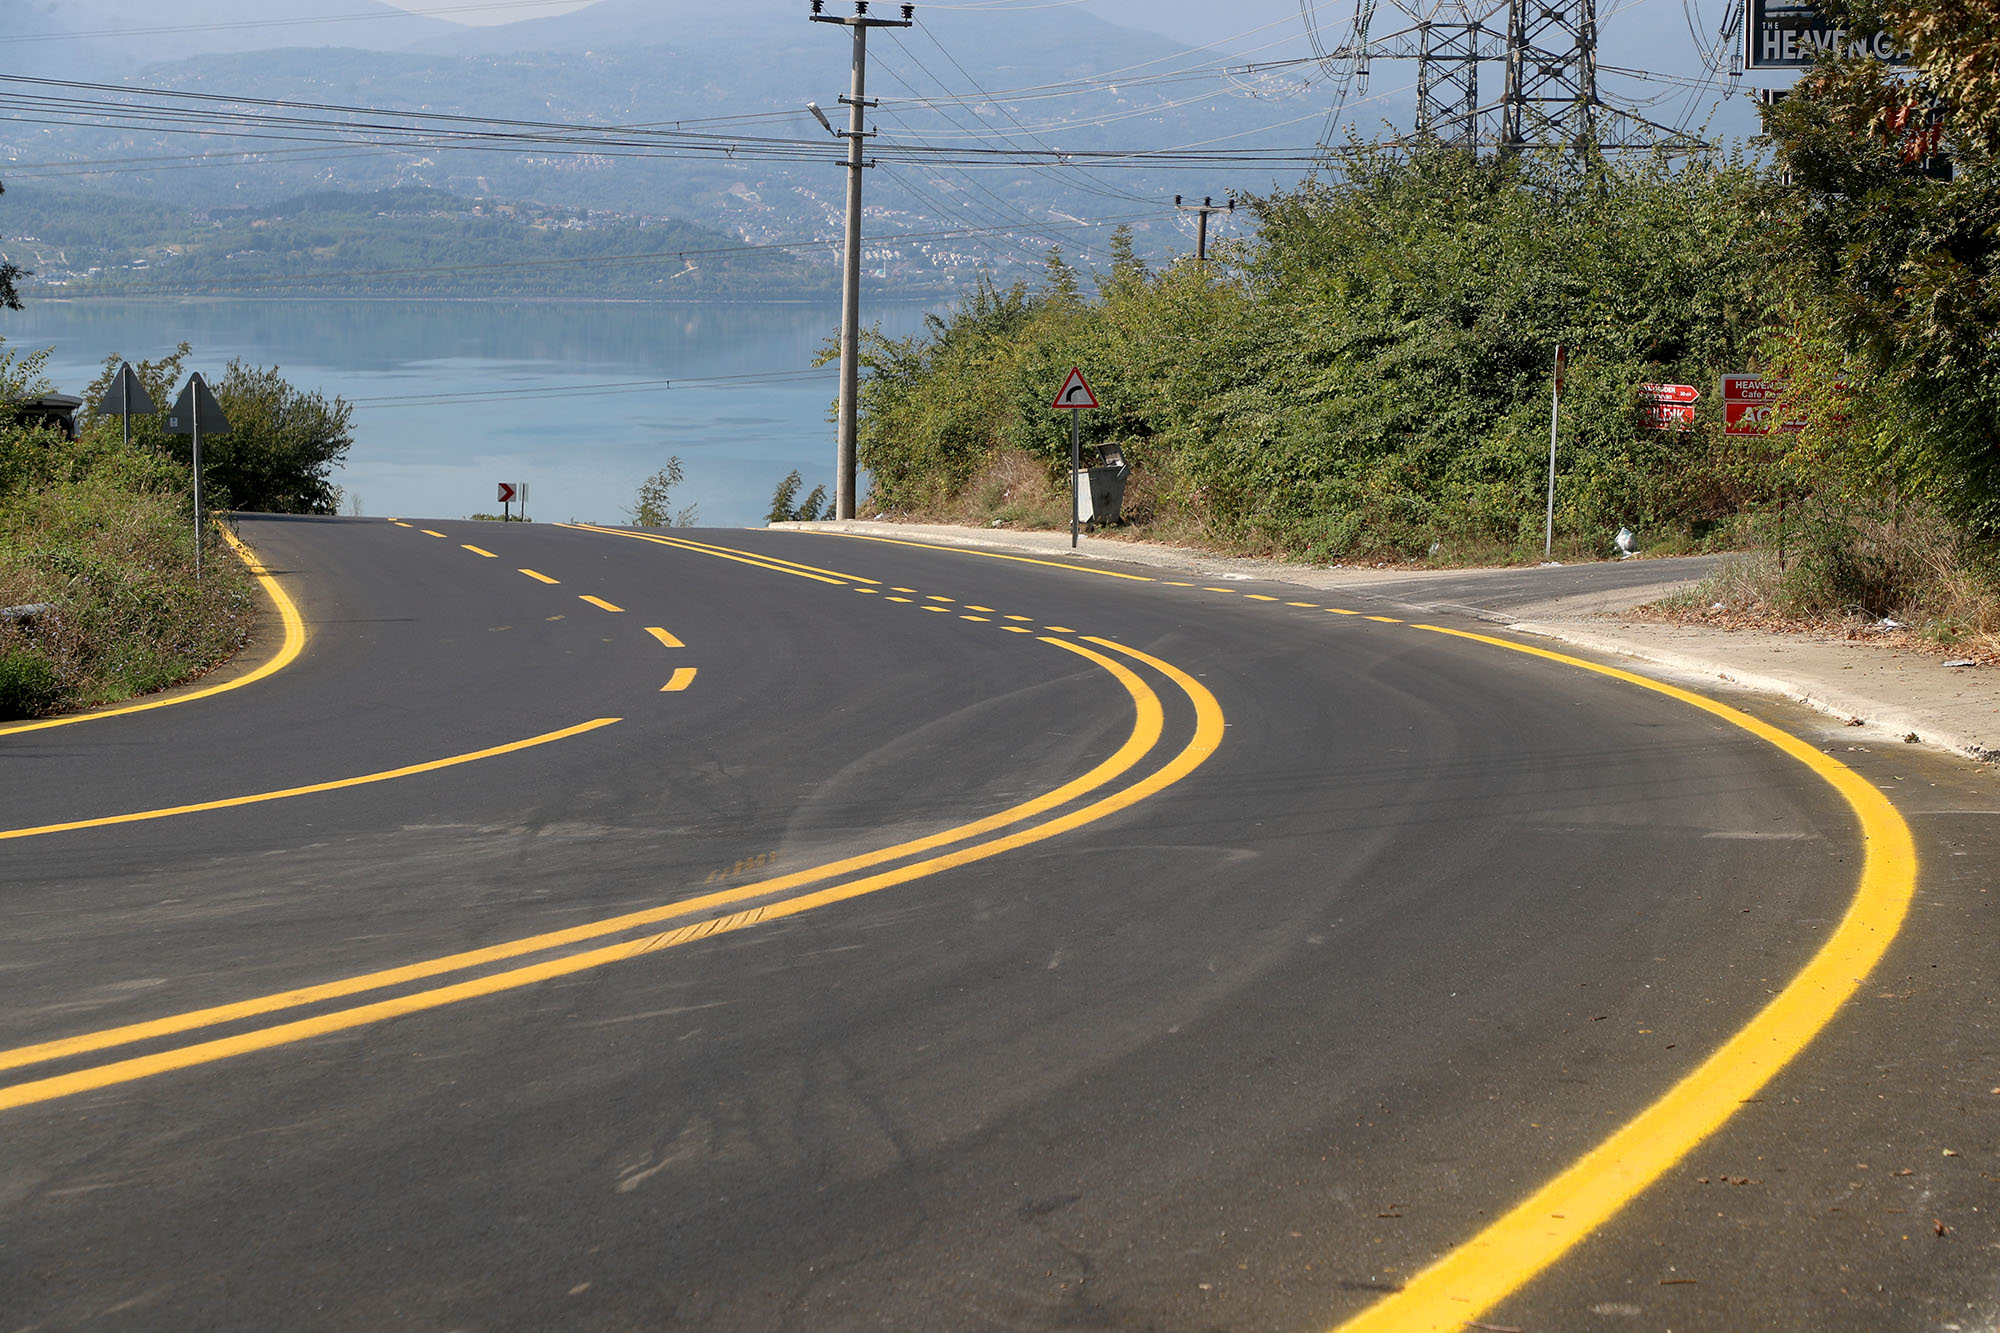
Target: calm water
529,378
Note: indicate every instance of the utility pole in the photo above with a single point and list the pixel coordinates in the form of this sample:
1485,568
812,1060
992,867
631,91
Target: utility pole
1201,212
850,285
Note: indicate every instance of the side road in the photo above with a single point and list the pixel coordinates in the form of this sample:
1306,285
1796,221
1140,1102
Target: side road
1889,693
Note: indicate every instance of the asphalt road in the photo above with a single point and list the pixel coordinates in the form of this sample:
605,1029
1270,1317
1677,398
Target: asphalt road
1186,958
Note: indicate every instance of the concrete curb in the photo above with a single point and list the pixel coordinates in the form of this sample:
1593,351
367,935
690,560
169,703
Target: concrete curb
1877,719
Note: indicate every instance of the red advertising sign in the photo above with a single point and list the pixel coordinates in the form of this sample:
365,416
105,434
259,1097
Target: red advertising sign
1750,405
1668,406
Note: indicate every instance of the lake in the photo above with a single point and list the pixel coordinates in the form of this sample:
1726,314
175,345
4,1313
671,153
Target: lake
452,397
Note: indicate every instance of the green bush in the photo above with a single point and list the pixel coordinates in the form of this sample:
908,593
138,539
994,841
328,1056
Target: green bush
29,684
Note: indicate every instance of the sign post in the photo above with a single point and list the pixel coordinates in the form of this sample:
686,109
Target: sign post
1555,406
126,396
1074,397
194,412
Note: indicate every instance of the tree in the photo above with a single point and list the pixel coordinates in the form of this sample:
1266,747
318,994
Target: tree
782,508
9,298
1891,278
655,504
281,449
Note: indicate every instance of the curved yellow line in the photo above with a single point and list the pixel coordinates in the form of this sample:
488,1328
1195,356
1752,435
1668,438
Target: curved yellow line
1540,1229
1207,736
1148,724
259,798
294,643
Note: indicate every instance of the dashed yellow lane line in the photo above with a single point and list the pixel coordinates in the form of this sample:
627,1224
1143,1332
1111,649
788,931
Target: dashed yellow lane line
598,602
478,550
429,533
665,638
680,680
896,599
941,610
1387,620
1310,606
1259,597
993,555
1059,629
289,648
981,619
1540,1229
540,577
259,798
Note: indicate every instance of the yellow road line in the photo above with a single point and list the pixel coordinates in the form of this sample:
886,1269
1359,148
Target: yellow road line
1146,732
288,651
1310,606
813,572
664,637
990,555
258,798
544,578
1259,597
428,533
1387,620
981,619
1532,1235
478,550
598,602
680,680
1342,611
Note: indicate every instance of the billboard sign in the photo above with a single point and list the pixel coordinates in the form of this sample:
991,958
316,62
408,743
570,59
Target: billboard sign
1786,34
1750,404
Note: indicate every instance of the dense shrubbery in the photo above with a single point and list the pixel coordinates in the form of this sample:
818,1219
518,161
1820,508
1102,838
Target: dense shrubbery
1370,374
1373,373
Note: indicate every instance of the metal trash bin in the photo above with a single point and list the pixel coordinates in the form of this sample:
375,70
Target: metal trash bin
1100,490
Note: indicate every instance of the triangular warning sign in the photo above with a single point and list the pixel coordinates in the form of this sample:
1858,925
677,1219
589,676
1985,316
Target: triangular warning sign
1075,391
196,406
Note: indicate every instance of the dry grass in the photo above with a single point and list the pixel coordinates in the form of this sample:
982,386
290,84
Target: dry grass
1907,581
130,617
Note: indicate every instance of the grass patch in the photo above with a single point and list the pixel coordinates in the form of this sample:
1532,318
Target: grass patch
114,557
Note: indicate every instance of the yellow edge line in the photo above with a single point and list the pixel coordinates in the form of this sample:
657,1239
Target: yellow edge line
258,798
680,680
1207,736
992,555
288,651
1147,726
1536,1232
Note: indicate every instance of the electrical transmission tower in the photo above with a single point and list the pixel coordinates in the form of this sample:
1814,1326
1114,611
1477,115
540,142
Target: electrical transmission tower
1548,50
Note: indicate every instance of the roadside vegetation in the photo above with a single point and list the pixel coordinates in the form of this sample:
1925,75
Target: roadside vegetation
97,537
1368,378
